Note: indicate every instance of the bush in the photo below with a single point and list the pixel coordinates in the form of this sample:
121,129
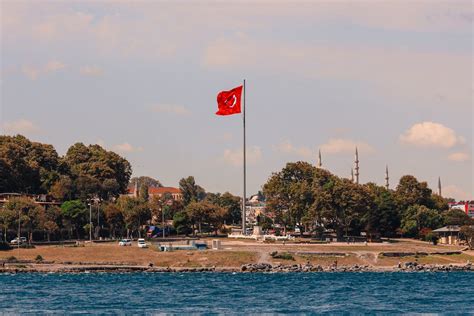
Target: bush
284,255
39,258
4,246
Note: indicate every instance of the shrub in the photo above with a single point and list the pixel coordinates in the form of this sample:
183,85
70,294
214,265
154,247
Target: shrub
284,255
39,258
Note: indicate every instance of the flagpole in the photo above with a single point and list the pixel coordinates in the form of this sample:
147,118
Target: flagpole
244,232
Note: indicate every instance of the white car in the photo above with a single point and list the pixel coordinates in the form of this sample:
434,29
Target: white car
142,243
125,242
16,241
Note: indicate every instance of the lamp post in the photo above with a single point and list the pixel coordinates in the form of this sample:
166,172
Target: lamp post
163,220
19,232
90,221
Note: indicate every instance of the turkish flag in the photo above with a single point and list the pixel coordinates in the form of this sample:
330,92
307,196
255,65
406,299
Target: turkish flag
228,102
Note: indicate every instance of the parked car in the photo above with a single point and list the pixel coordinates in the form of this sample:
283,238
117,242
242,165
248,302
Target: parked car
17,241
125,242
142,243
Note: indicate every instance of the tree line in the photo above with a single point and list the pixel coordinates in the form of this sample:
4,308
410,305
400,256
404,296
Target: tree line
83,172
315,201
299,196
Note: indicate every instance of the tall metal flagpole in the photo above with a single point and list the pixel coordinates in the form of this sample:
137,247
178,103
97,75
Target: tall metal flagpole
244,232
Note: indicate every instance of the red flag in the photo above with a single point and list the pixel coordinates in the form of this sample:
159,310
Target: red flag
228,102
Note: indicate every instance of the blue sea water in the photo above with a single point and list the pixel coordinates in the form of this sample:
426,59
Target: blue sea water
226,293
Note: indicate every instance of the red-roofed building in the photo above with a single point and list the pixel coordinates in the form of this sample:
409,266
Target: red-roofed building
153,191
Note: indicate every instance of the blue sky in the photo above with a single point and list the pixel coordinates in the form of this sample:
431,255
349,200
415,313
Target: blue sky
141,78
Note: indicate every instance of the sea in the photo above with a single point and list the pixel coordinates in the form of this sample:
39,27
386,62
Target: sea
237,293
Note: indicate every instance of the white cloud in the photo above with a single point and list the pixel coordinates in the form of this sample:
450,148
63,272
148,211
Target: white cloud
235,157
21,126
127,148
288,148
170,108
34,72
92,71
341,145
459,156
430,134
453,191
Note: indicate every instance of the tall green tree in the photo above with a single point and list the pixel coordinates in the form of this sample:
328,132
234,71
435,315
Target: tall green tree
289,193
457,217
150,182
136,213
411,192
114,219
75,216
26,166
31,216
97,171
191,191
384,217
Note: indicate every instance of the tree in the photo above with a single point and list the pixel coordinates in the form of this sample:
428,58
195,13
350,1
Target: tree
114,218
230,203
143,180
30,215
94,168
135,213
456,217
439,203
417,217
289,193
232,206
384,217
26,166
410,192
191,191
7,221
467,232
181,223
200,213
52,220
143,192
74,213
62,189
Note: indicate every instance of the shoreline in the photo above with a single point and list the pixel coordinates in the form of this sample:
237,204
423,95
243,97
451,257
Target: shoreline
240,257
16,268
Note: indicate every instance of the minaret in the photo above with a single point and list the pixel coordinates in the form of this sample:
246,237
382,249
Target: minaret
356,166
439,186
352,174
386,178
320,161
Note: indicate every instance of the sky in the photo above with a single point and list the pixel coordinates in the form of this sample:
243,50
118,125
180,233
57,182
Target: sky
393,78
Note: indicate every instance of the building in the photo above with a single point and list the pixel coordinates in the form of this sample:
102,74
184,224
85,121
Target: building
159,192
41,199
448,235
465,206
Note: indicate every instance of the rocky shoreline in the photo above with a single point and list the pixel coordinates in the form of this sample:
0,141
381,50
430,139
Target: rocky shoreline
246,268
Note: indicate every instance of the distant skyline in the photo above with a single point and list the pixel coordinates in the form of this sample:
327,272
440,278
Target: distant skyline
393,78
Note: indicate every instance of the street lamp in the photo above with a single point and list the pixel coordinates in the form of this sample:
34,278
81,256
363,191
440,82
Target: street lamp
90,221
